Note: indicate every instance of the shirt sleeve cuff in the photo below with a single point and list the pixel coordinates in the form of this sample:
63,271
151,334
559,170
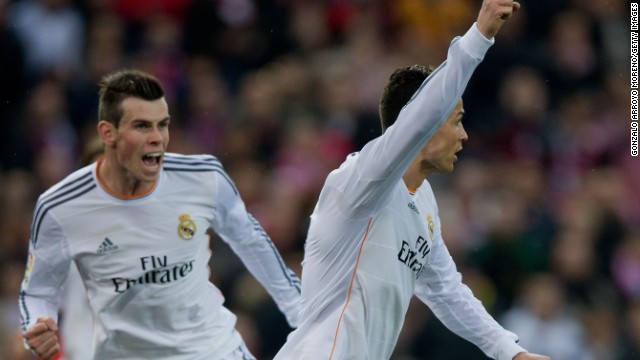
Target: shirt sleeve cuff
508,348
475,43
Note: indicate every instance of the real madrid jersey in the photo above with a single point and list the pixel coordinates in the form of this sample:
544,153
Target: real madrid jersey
144,260
373,244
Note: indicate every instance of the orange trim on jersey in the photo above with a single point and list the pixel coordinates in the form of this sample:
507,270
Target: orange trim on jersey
353,277
118,195
412,190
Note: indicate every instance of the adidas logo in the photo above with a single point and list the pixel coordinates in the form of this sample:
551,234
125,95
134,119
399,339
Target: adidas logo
107,246
413,207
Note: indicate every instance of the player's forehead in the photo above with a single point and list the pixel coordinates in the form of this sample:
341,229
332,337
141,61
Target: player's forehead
134,108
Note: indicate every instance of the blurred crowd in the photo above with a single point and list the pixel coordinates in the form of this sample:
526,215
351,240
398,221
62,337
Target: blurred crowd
542,213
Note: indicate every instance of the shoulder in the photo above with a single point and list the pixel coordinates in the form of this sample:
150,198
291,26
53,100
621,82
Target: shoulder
426,192
73,189
74,185
196,168
197,163
427,189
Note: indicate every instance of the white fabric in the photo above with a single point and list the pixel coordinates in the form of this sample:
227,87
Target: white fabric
76,324
144,261
372,245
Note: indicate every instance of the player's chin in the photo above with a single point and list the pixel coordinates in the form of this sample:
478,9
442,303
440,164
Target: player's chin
448,170
448,167
149,174
445,168
451,165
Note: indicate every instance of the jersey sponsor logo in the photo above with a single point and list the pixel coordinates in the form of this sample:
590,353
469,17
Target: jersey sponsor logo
156,271
107,247
27,272
186,228
414,257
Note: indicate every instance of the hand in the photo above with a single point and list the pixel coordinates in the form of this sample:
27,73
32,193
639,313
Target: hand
493,14
42,338
528,356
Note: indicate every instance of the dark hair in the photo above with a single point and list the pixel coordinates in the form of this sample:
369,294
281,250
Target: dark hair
117,86
403,83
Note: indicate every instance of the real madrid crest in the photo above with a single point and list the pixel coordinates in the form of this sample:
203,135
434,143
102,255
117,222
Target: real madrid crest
430,225
186,228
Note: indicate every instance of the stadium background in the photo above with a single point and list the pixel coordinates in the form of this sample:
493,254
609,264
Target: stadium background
542,213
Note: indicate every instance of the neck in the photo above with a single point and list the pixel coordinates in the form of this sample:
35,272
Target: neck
415,175
115,181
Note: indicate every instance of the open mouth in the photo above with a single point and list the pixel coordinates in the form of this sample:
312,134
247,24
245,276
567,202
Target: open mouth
152,159
455,154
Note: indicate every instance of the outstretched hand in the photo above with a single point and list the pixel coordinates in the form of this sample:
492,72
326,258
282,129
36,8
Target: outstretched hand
493,14
529,356
42,338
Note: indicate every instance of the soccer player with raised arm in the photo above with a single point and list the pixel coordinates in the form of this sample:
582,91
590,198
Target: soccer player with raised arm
375,240
135,223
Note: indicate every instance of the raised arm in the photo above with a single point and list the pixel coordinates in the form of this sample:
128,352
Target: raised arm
383,161
493,14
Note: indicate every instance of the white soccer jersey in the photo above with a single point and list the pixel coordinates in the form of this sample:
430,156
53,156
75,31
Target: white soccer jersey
373,244
144,260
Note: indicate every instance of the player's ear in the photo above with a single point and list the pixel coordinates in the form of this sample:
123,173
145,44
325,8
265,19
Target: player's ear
107,132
